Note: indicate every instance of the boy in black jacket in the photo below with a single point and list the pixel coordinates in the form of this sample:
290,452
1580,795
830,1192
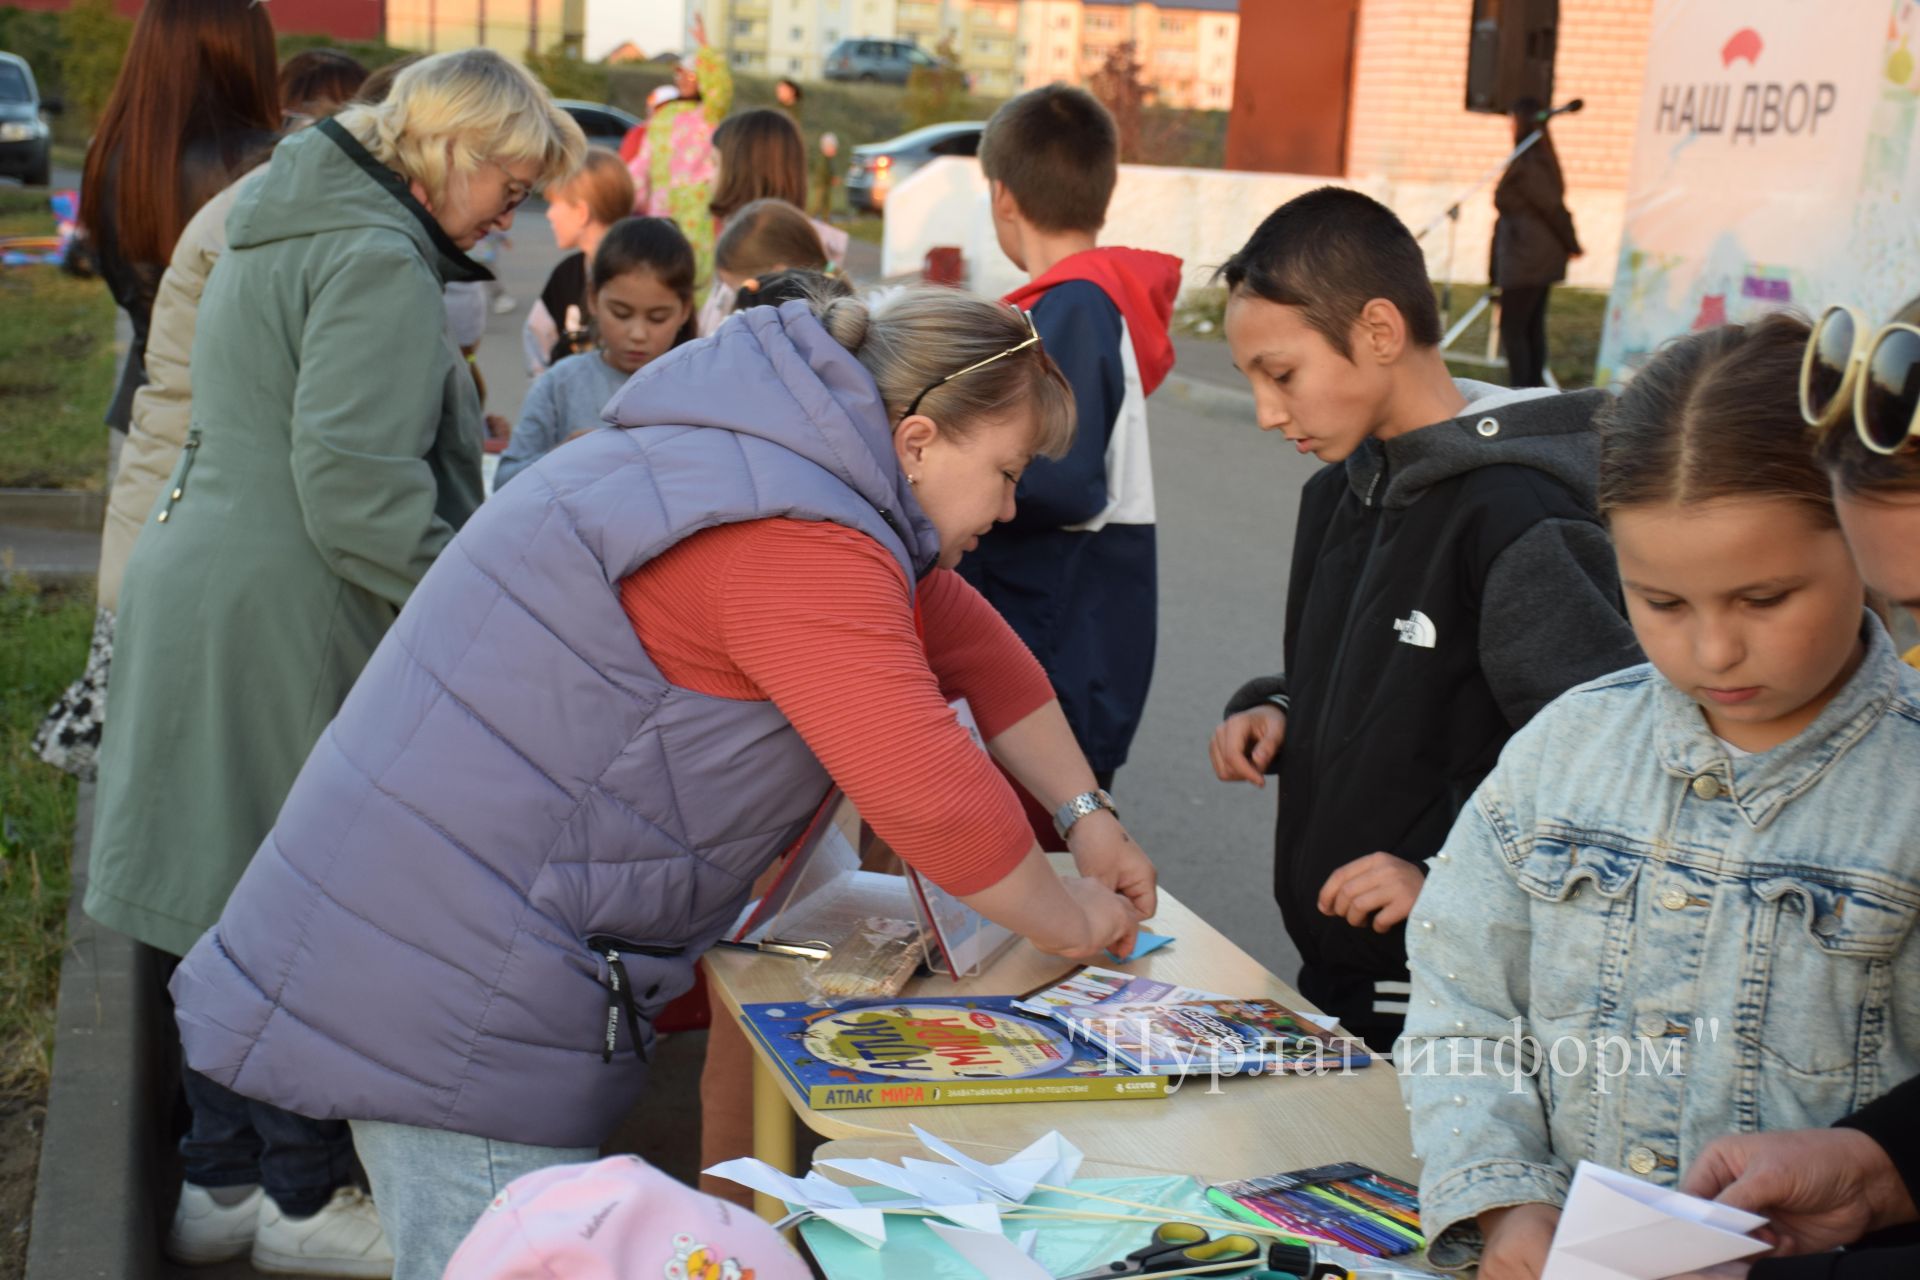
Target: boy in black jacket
1449,579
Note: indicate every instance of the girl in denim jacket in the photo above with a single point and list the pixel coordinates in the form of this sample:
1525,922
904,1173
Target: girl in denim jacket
1683,902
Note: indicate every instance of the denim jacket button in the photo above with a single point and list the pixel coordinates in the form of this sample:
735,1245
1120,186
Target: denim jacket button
1653,1026
1642,1161
1707,787
1673,899
1826,926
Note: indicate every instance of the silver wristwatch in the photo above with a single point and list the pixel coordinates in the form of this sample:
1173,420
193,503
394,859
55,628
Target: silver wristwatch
1079,807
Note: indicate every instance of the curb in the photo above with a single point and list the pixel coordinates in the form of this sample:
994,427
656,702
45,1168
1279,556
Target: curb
1209,397
57,510
106,1135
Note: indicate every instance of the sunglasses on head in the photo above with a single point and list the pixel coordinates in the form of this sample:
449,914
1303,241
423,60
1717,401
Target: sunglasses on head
1872,375
1032,338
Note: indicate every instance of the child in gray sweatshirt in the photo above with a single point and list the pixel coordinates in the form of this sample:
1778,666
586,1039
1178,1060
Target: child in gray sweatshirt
641,299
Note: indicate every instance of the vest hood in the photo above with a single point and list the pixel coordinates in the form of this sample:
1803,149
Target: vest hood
776,374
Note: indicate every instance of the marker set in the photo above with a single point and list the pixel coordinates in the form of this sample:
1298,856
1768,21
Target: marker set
1361,1208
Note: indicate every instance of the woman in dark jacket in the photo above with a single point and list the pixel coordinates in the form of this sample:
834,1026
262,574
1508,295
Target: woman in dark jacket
1532,242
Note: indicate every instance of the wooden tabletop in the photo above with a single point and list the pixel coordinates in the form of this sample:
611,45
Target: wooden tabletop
1237,1128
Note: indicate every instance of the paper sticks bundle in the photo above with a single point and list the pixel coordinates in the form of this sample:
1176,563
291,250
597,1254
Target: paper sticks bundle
976,1199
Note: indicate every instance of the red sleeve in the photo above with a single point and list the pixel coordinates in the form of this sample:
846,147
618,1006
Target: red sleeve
818,616
977,656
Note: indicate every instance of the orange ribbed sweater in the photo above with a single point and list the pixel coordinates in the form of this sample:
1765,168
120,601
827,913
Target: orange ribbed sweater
817,618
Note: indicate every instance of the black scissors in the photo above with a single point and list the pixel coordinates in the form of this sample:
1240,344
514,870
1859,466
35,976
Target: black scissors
1176,1246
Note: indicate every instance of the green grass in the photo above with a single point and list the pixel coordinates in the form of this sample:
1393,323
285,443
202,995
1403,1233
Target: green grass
43,645
56,365
1575,318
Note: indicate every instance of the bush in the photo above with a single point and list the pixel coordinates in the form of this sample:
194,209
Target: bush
96,44
569,77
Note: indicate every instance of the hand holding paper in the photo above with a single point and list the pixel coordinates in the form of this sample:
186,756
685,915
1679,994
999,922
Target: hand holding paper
1616,1227
1145,943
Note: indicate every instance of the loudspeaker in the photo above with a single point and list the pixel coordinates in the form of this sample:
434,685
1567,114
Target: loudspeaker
1510,51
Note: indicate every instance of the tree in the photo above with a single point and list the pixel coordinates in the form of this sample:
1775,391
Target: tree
95,44
1118,86
938,93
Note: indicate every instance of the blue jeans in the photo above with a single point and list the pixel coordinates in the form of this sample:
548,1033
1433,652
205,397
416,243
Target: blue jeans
235,1141
431,1186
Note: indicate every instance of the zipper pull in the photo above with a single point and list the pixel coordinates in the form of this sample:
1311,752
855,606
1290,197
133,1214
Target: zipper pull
177,483
620,997
616,987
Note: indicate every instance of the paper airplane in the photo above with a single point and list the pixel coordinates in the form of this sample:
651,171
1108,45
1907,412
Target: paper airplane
1616,1227
864,1221
956,1199
1051,1160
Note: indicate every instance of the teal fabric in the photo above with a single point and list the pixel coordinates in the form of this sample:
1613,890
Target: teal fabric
1064,1246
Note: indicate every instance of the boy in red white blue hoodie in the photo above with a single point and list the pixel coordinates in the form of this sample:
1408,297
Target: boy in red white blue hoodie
1074,571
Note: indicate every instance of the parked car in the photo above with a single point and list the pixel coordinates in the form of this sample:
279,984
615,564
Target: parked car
876,168
604,125
24,137
876,61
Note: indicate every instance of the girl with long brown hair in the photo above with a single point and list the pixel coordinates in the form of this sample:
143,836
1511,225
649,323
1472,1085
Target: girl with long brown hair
196,102
761,157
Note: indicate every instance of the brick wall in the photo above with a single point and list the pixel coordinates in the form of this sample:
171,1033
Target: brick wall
1409,125
1410,84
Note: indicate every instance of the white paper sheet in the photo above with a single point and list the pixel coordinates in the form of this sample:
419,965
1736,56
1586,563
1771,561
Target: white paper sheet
992,1254
1616,1227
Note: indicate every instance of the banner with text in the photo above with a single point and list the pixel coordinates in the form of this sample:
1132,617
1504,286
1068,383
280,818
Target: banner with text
1774,165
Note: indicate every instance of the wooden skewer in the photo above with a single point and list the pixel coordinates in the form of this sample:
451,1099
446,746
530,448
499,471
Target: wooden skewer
1245,1264
1166,1214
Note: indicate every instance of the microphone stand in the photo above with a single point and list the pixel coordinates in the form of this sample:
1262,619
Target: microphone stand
1451,216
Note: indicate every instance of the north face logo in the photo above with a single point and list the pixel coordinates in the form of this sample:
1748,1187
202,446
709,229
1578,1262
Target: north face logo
1416,629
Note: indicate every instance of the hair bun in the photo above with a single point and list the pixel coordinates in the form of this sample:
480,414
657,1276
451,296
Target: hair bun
845,319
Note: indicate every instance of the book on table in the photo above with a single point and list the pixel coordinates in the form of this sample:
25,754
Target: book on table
1215,1036
934,1051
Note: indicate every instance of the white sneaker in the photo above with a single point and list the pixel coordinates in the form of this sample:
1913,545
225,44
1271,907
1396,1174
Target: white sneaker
343,1239
504,304
205,1231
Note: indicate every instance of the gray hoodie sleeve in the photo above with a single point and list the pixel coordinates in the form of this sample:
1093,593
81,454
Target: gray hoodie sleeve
1261,689
1550,616
539,431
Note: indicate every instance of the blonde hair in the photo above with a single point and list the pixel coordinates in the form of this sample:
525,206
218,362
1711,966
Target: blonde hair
602,183
923,334
451,113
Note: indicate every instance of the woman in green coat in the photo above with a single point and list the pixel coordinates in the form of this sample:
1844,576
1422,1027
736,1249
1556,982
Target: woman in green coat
333,451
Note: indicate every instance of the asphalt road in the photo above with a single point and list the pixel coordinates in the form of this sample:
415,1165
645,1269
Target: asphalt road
1226,497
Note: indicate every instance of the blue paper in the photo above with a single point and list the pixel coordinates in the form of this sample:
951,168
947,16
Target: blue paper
1146,944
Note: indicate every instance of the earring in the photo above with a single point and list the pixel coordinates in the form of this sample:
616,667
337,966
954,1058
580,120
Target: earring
913,479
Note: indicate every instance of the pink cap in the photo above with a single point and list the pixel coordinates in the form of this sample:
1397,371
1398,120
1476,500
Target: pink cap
618,1219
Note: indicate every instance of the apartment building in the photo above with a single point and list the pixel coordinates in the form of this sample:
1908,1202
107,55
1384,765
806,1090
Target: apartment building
515,28
1186,47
